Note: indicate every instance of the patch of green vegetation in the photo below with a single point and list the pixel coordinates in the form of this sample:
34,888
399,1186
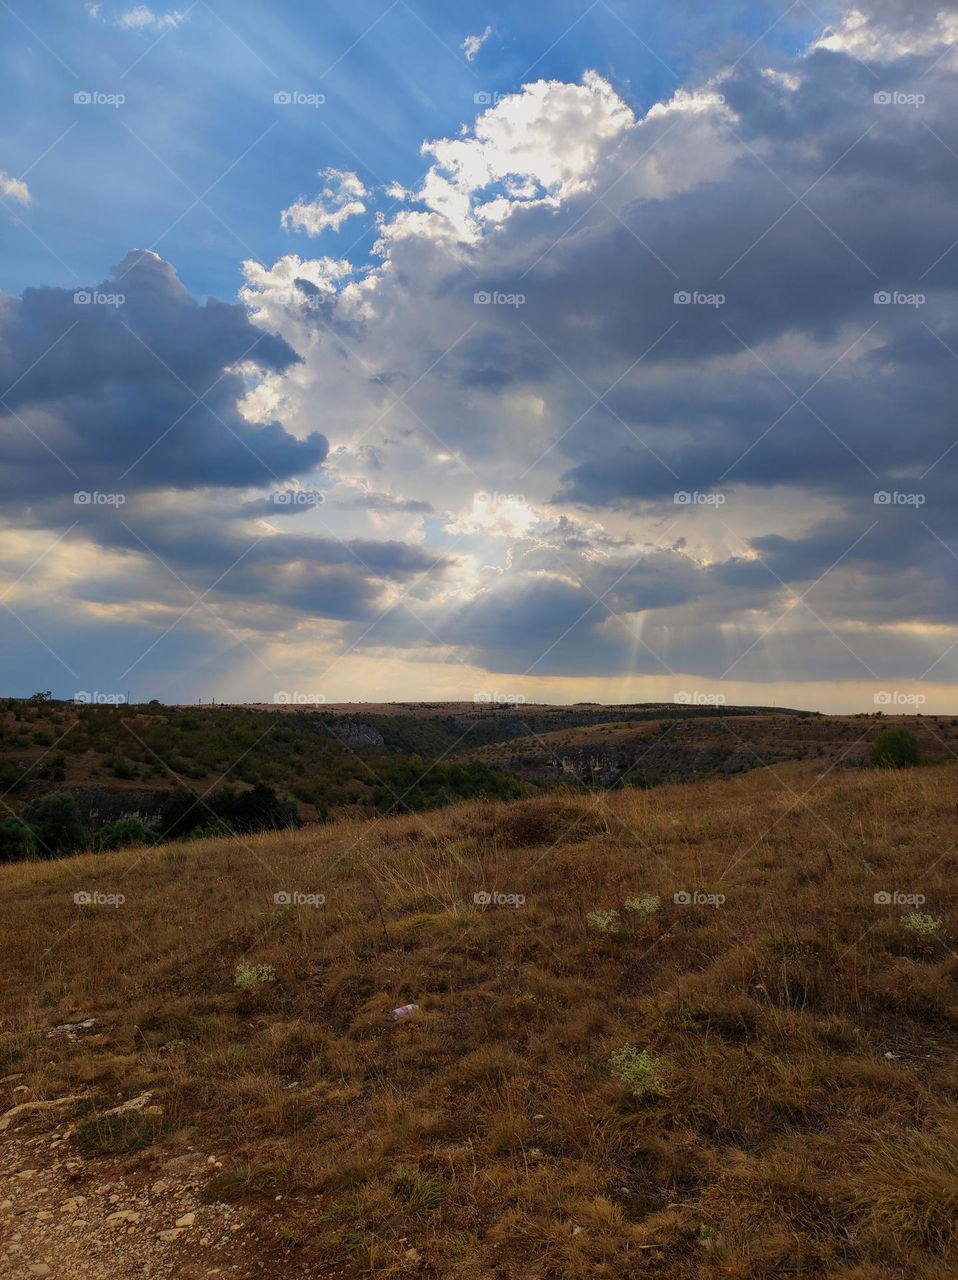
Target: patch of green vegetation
105,1135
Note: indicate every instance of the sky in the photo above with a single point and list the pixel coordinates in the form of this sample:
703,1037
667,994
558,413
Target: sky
400,351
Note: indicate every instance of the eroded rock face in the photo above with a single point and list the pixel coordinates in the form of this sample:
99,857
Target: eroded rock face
357,735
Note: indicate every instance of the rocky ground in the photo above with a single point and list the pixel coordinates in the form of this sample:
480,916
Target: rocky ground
68,1218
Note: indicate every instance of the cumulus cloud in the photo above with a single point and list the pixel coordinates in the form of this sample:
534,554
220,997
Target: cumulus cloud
132,383
472,44
341,198
622,394
688,302
15,188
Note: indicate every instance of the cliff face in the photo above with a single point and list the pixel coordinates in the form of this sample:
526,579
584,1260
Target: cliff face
357,735
672,757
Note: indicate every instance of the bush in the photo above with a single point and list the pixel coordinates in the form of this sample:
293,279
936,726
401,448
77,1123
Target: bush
55,821
895,749
123,832
226,812
17,841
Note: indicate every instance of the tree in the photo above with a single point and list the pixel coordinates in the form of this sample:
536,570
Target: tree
55,821
17,841
895,749
44,695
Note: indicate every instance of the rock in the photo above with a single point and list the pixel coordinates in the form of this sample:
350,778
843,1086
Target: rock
187,1220
159,1187
134,1104
71,1030
26,1174
171,1233
121,1216
39,1269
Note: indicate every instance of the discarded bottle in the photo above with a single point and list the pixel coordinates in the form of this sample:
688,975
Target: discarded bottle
404,1011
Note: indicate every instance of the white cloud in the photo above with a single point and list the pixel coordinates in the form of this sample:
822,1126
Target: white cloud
14,188
142,17
540,145
340,199
866,36
472,44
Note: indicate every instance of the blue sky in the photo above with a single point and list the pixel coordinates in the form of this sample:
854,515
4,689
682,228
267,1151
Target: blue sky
199,110
576,351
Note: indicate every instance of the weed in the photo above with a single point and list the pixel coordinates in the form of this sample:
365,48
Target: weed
250,977
604,921
642,1071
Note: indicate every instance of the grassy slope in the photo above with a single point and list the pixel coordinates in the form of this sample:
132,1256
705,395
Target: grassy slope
807,1121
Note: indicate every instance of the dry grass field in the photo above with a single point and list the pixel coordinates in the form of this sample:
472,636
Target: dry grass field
696,1031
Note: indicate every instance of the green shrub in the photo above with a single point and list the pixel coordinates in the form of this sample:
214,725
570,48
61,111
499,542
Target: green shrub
895,749
17,841
56,823
123,832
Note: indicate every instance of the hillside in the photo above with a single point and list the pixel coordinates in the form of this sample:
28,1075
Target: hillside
324,763
704,1031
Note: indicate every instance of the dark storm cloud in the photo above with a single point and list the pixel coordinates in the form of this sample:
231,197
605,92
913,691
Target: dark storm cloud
130,385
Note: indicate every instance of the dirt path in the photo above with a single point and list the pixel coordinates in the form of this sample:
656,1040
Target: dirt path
112,1218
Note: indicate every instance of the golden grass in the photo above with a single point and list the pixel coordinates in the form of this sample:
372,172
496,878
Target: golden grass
803,1119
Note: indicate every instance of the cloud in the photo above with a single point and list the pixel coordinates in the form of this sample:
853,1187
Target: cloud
14,188
143,18
340,199
662,315
131,384
621,396
472,44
